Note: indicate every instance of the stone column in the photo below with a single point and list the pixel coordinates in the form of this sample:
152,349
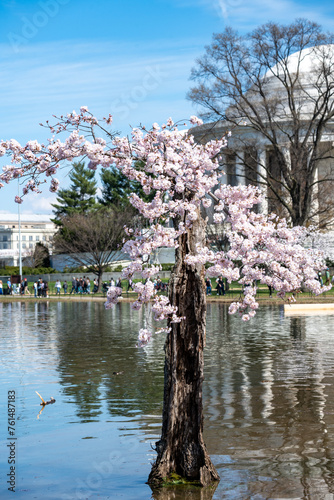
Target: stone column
261,176
287,156
240,169
222,176
315,205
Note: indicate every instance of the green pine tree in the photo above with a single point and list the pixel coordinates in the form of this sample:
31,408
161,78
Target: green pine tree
116,188
79,197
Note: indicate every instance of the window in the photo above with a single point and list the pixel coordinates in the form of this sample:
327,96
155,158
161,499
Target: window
31,245
44,238
24,245
5,245
30,238
4,237
37,238
23,238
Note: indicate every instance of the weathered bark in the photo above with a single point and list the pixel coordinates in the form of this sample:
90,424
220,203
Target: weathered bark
181,449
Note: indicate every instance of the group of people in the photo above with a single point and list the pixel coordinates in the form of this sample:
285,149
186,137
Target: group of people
81,285
327,277
117,283
15,288
220,286
159,285
41,288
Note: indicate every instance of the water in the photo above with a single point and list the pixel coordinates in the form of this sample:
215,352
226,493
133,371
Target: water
268,403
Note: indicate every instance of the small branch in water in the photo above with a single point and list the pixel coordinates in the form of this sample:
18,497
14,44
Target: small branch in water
43,403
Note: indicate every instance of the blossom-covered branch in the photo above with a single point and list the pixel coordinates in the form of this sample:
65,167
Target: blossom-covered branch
184,176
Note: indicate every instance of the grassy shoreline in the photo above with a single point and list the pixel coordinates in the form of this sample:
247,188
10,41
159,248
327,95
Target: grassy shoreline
232,296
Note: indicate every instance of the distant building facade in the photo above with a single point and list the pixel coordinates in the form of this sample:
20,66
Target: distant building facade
34,229
250,157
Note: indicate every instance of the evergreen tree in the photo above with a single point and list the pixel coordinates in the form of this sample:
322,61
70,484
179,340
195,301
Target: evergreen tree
79,197
116,188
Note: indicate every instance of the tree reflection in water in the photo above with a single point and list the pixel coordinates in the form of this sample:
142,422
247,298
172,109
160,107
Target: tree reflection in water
184,493
269,403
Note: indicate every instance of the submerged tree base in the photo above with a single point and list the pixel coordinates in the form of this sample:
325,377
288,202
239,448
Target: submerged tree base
207,476
176,487
175,479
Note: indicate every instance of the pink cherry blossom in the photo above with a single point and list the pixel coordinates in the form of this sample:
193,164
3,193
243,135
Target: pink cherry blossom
184,176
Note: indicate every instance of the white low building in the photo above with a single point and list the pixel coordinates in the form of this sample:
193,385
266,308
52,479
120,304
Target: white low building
34,229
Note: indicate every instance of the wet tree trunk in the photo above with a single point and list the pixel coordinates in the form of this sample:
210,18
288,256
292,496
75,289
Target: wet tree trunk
181,449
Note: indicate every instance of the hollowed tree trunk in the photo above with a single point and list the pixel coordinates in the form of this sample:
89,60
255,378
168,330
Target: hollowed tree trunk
181,449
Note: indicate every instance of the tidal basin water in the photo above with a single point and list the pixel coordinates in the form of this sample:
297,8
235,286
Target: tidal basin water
268,403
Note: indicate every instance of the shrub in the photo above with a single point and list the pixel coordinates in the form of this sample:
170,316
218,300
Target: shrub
15,270
117,269
167,267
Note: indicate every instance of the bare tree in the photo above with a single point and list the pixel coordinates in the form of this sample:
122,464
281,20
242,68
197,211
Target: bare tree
275,87
93,239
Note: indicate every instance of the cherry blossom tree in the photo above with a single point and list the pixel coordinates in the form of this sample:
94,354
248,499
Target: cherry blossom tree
184,176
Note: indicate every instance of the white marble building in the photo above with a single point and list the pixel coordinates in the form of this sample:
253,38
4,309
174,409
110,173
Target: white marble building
34,229
249,157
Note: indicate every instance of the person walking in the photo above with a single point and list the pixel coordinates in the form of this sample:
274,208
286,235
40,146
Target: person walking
74,282
35,289
220,286
79,286
26,287
65,287
58,287
208,286
119,284
9,286
327,277
130,285
1,290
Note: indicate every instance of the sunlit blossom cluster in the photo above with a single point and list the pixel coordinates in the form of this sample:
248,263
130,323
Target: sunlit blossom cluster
113,294
183,177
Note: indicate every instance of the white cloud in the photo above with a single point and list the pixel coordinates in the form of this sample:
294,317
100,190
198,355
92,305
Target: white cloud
246,15
94,74
249,15
136,85
37,204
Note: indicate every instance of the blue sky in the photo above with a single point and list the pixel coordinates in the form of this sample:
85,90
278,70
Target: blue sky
131,59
